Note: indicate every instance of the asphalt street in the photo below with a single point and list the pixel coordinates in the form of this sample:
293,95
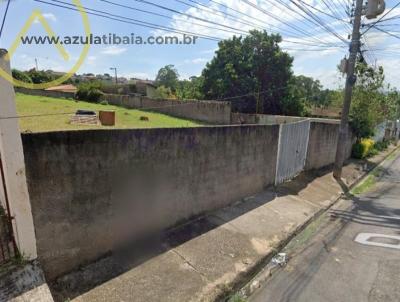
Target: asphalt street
356,260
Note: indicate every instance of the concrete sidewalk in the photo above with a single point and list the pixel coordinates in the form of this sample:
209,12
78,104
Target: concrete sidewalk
207,259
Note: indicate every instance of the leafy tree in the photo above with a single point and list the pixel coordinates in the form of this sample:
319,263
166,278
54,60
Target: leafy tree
295,102
163,92
90,92
21,76
311,91
39,76
369,101
190,89
391,106
168,76
254,65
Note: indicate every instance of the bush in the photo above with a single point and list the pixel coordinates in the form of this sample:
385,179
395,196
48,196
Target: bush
104,102
381,146
90,92
363,148
40,76
21,76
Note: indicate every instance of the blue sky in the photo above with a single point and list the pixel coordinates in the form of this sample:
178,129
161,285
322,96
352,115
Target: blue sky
144,61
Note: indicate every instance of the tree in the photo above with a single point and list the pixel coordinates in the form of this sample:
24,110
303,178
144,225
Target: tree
311,91
368,102
163,92
21,76
253,65
168,77
190,89
39,77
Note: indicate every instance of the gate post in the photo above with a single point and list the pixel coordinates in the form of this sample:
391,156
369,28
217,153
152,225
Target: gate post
12,157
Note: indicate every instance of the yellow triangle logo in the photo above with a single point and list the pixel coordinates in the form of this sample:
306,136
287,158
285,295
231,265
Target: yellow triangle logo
36,15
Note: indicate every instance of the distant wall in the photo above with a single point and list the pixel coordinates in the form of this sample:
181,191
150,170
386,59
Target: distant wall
380,131
212,112
92,190
266,119
322,145
47,93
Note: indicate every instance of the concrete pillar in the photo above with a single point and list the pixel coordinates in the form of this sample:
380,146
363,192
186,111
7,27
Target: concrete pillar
12,157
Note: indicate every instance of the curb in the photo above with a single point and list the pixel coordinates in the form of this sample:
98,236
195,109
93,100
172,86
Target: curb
262,271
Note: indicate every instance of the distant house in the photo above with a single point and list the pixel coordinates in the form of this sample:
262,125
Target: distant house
145,87
122,80
327,112
63,88
88,77
56,74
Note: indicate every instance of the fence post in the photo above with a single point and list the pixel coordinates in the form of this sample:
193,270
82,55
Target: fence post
12,157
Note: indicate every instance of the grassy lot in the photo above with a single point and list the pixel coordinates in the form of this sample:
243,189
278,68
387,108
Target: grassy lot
28,105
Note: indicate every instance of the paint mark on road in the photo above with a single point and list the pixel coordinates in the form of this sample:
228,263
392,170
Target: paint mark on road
380,240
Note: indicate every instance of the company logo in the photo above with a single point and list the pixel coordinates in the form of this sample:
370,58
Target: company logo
37,15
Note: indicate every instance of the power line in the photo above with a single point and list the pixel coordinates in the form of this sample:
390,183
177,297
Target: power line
184,14
339,9
134,21
318,20
147,24
322,12
312,22
381,18
233,17
284,22
4,17
388,33
191,16
330,8
205,8
249,16
289,9
163,16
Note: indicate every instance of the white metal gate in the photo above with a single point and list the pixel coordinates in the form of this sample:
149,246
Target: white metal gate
292,152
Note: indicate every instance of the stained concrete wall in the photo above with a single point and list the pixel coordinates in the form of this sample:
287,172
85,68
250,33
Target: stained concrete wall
322,145
46,93
211,112
266,119
92,190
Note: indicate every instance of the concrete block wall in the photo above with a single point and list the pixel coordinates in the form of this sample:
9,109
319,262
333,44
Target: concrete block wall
93,190
46,93
322,145
238,118
211,112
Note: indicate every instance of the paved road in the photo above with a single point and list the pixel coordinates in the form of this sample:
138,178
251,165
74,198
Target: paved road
334,267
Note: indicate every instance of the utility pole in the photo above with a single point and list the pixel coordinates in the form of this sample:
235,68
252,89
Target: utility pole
37,65
350,81
115,72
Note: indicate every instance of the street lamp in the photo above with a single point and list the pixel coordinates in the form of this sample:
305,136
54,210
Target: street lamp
115,71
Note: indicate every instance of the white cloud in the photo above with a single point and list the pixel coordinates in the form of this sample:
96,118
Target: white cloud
91,60
196,61
138,75
113,50
48,16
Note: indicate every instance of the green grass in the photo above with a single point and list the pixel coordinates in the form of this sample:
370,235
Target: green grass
393,155
368,183
304,236
236,298
28,105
